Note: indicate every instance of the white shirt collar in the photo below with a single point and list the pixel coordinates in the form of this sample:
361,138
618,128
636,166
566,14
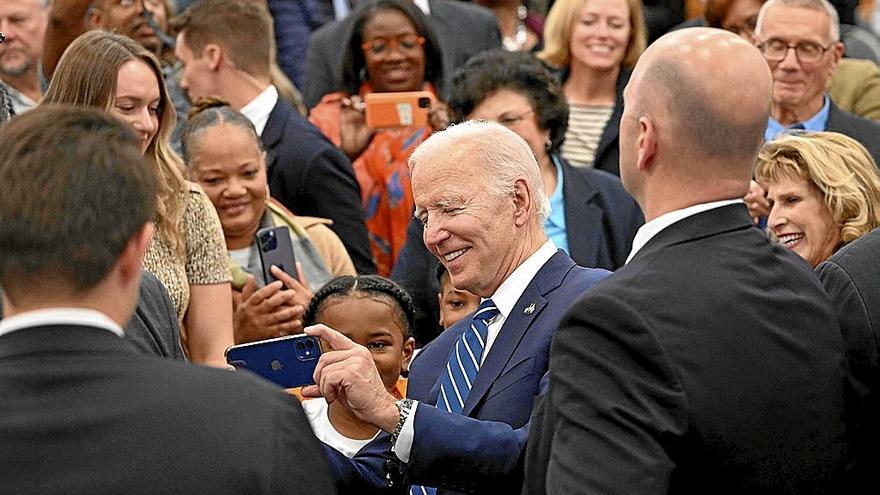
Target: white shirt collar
509,292
59,316
423,6
258,109
647,231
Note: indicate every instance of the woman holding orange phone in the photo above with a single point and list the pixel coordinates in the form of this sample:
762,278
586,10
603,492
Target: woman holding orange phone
392,52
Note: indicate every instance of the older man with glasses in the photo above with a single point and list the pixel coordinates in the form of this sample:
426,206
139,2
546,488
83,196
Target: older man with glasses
800,39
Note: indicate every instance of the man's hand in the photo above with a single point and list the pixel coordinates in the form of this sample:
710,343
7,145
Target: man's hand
348,373
271,311
756,201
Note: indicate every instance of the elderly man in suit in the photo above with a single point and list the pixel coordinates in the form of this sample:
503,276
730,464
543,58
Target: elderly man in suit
712,361
478,193
82,411
226,50
462,29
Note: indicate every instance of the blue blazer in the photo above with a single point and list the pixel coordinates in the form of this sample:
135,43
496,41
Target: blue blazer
480,449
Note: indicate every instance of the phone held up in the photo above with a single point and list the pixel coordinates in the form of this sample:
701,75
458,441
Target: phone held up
276,248
287,361
405,109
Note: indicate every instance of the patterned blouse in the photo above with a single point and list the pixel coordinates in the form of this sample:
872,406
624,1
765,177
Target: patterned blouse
206,261
586,123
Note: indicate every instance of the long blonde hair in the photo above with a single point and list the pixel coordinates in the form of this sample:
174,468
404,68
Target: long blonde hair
560,24
87,75
839,166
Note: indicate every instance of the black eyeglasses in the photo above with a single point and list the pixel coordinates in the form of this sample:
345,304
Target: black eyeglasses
406,42
807,52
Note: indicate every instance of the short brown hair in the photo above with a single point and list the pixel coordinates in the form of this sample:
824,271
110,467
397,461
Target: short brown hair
242,27
560,23
80,190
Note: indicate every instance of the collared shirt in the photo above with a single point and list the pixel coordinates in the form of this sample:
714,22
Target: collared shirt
258,109
554,225
20,101
341,7
59,316
816,123
649,230
505,298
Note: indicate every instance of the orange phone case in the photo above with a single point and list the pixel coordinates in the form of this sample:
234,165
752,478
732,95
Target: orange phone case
405,109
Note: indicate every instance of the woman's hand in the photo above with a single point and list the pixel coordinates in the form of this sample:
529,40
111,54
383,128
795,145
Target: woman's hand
756,201
355,134
438,116
271,311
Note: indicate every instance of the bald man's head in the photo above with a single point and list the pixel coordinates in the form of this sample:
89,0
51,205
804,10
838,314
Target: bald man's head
708,92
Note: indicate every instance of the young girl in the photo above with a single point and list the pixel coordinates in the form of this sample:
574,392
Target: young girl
378,314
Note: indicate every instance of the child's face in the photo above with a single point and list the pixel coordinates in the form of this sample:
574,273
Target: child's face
455,304
373,323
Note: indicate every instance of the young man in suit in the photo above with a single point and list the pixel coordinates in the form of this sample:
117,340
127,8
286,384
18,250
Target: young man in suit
82,411
463,30
225,48
478,193
711,361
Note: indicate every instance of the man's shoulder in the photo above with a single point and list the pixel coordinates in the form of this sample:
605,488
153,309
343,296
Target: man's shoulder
289,130
469,12
863,130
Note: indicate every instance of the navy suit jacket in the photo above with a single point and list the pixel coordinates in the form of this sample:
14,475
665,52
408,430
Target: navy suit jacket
463,30
480,450
313,178
862,130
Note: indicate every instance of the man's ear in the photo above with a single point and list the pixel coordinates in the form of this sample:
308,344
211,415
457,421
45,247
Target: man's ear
213,55
131,259
837,51
523,202
647,143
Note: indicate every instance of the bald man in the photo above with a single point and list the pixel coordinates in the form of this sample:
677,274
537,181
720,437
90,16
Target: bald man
711,361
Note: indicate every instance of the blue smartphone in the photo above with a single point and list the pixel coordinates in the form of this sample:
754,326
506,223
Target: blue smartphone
288,361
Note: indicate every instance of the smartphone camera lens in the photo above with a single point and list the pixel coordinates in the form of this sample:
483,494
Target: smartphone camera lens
424,102
268,241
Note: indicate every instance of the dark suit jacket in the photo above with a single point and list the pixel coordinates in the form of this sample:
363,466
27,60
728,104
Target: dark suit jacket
311,177
852,279
153,328
480,449
862,130
463,30
711,363
83,412
601,219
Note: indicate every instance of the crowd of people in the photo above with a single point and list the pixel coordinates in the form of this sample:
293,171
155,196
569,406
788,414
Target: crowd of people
623,251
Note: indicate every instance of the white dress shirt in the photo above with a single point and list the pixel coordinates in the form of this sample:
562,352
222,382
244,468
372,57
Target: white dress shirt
59,316
505,298
258,109
647,231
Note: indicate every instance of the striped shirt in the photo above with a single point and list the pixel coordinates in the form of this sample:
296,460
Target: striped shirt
585,126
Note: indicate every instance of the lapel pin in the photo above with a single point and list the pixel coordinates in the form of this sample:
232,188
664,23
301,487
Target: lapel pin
529,309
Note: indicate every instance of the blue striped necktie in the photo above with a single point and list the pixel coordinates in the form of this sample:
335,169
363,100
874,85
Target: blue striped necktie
461,369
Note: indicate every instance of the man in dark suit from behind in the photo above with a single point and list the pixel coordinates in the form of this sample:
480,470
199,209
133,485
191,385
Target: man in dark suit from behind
712,361
81,411
852,279
225,47
463,30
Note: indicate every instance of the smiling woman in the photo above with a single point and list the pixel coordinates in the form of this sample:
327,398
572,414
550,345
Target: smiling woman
391,49
824,191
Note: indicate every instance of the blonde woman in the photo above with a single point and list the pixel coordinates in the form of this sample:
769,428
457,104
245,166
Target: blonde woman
187,253
824,192
594,44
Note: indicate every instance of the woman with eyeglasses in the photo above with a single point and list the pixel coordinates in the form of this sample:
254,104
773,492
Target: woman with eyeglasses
391,49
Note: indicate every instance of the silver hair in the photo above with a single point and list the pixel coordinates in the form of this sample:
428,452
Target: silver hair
821,5
503,155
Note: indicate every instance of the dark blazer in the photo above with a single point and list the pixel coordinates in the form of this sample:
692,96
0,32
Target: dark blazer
852,279
479,451
710,363
463,30
83,412
862,130
153,328
601,219
311,177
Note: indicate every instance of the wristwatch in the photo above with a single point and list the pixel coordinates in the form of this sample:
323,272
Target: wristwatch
404,406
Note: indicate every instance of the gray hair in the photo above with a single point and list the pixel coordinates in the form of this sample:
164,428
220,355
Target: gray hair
820,5
504,156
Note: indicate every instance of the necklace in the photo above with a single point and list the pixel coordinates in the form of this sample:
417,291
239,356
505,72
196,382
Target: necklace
518,40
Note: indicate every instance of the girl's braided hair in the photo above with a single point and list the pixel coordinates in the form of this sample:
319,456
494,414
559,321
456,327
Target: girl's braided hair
366,284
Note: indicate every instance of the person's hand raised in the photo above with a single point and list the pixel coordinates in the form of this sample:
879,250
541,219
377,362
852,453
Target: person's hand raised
271,311
355,134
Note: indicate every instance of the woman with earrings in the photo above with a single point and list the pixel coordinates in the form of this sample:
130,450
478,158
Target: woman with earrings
521,29
391,49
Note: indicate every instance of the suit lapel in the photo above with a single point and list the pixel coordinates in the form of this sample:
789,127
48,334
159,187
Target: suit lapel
583,221
272,134
611,131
